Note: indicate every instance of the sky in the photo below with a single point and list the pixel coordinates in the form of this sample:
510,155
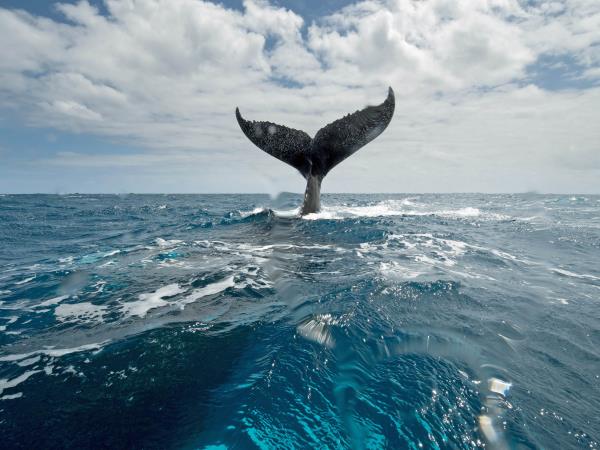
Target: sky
123,96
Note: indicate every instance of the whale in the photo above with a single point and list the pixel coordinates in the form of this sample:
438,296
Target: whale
315,157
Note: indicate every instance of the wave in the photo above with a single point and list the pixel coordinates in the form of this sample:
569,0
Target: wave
568,273
384,208
54,352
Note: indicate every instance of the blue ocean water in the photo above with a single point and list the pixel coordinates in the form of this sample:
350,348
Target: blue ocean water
225,321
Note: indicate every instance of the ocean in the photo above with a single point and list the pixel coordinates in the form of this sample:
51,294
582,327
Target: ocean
225,321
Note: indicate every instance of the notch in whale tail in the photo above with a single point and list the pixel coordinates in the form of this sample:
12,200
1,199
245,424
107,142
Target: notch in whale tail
315,157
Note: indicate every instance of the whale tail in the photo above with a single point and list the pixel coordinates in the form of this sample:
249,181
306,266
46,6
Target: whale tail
315,157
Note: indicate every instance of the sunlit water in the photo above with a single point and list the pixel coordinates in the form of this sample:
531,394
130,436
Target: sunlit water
385,321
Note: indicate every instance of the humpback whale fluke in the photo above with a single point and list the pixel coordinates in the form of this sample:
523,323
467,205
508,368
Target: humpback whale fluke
315,157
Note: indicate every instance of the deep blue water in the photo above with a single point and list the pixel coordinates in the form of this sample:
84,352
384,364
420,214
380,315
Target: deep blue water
224,321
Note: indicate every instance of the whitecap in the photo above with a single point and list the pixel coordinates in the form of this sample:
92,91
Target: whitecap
396,208
54,352
85,311
26,280
52,301
99,285
393,268
434,262
5,383
29,361
12,396
11,319
164,243
287,213
112,262
462,212
209,289
574,275
152,300
254,212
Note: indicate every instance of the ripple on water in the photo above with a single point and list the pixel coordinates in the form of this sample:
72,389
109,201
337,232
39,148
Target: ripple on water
382,321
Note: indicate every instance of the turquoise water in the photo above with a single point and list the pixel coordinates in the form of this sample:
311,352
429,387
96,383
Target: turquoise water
225,321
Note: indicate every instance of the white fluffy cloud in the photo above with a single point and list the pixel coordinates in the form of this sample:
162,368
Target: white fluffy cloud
166,75
437,44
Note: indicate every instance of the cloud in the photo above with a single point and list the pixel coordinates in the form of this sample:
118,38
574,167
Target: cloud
166,75
73,109
432,45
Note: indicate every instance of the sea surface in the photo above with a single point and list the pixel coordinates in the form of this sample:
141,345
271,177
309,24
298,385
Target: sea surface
226,321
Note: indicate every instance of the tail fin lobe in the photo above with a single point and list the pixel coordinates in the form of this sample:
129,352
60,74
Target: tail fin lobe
286,144
335,142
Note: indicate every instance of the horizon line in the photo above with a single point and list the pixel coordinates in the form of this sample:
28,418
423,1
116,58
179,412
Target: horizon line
301,193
